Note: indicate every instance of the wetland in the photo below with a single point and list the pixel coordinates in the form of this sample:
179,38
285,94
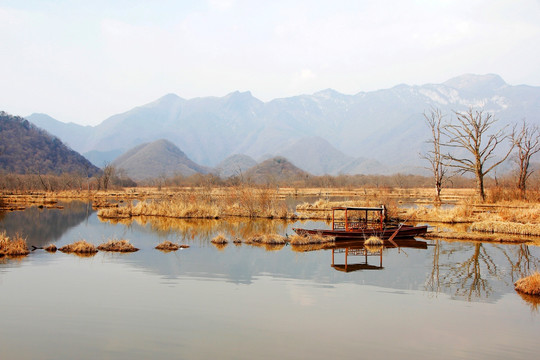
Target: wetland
430,298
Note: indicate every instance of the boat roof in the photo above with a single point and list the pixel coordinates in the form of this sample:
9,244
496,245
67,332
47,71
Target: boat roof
381,208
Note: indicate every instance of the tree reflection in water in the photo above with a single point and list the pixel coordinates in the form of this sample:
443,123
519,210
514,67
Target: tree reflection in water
473,277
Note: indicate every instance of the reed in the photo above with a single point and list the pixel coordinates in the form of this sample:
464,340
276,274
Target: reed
220,239
167,246
50,248
472,236
504,227
116,245
529,285
79,247
373,241
237,241
13,247
310,239
274,239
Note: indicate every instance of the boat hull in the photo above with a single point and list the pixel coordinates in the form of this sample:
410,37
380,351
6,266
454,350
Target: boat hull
361,234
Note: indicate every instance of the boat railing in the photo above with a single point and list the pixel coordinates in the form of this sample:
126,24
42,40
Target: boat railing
355,225
339,225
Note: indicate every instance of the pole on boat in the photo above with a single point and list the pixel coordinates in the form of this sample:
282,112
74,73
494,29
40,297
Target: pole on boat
391,238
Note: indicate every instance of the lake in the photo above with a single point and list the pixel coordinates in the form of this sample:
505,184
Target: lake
436,299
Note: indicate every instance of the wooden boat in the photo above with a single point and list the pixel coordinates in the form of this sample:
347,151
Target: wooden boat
362,223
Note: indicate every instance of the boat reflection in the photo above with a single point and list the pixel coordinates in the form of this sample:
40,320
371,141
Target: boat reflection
360,253
354,256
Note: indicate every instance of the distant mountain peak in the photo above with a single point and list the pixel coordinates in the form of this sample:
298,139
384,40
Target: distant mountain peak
328,93
157,158
473,82
167,99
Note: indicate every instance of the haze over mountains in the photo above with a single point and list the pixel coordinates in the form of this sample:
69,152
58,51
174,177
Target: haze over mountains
370,132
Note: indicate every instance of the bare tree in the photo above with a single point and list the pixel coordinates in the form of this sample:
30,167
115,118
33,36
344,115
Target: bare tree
108,173
471,134
527,141
434,156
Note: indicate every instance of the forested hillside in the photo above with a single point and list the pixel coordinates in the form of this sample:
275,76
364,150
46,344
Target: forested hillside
26,149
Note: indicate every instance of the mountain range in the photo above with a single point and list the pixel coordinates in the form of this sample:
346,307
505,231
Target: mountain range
327,132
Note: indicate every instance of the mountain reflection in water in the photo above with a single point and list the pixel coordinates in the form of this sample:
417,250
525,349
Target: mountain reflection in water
464,270
243,301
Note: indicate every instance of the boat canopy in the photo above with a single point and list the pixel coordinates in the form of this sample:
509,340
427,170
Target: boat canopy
381,208
373,218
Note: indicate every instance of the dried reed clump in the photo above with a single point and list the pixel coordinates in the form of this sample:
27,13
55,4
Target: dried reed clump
220,239
254,239
373,241
50,248
266,239
115,213
122,245
13,247
79,247
457,214
237,240
274,239
168,246
504,227
529,285
311,239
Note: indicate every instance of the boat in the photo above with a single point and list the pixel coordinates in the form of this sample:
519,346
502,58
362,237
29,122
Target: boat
363,222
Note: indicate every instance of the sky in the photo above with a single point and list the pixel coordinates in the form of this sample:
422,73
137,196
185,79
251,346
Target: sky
84,61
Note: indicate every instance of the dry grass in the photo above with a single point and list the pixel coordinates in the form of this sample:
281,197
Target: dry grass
220,239
504,227
50,248
373,241
79,247
208,204
310,239
266,239
470,236
13,247
529,285
168,246
115,245
237,241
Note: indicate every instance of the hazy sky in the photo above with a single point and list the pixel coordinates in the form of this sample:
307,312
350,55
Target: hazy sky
83,61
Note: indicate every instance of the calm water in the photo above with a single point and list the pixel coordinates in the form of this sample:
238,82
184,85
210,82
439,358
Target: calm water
445,300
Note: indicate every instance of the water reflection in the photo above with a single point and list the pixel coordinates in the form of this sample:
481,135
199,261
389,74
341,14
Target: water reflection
472,270
41,227
465,270
360,254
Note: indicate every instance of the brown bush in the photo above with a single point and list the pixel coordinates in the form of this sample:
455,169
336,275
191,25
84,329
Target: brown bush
529,285
118,246
79,247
